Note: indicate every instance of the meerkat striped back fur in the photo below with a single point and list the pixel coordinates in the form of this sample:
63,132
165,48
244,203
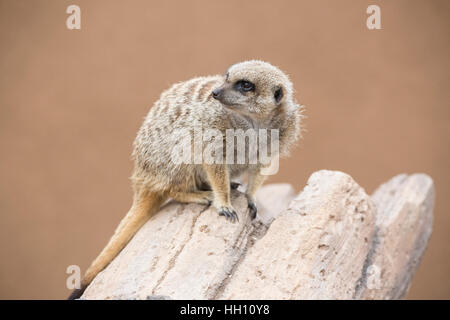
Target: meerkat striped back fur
250,95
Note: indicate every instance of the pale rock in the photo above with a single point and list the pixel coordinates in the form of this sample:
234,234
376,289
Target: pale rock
331,241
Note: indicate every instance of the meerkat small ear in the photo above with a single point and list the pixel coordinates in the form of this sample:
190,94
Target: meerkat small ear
278,95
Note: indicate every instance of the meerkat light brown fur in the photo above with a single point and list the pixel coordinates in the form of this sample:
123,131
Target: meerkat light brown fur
251,95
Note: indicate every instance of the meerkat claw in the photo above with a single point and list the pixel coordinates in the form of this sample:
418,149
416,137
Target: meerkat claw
252,209
229,214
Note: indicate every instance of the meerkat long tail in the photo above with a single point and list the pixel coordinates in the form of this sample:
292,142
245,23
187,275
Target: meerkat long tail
144,206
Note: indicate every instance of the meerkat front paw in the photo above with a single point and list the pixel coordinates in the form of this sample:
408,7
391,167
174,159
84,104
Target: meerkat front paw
229,213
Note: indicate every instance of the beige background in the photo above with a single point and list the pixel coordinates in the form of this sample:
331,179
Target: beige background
71,103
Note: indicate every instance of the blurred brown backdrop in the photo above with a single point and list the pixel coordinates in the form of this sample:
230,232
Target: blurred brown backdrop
71,102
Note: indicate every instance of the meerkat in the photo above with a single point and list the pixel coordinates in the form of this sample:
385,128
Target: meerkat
250,95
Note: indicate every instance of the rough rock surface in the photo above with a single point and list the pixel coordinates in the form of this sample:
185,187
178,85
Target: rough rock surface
403,226
332,241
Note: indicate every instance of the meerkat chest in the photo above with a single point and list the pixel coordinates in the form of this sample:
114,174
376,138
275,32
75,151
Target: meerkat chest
237,170
249,144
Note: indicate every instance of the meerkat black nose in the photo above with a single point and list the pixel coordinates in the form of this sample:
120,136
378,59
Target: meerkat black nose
216,93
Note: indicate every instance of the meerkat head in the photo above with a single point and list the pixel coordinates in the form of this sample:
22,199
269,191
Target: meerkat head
254,88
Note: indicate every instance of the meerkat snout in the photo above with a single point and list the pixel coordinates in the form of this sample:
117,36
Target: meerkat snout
216,93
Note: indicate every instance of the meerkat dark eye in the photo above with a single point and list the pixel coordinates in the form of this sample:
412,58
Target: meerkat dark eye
278,95
247,86
244,86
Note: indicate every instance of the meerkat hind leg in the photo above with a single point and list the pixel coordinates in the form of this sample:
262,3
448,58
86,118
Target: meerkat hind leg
200,197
